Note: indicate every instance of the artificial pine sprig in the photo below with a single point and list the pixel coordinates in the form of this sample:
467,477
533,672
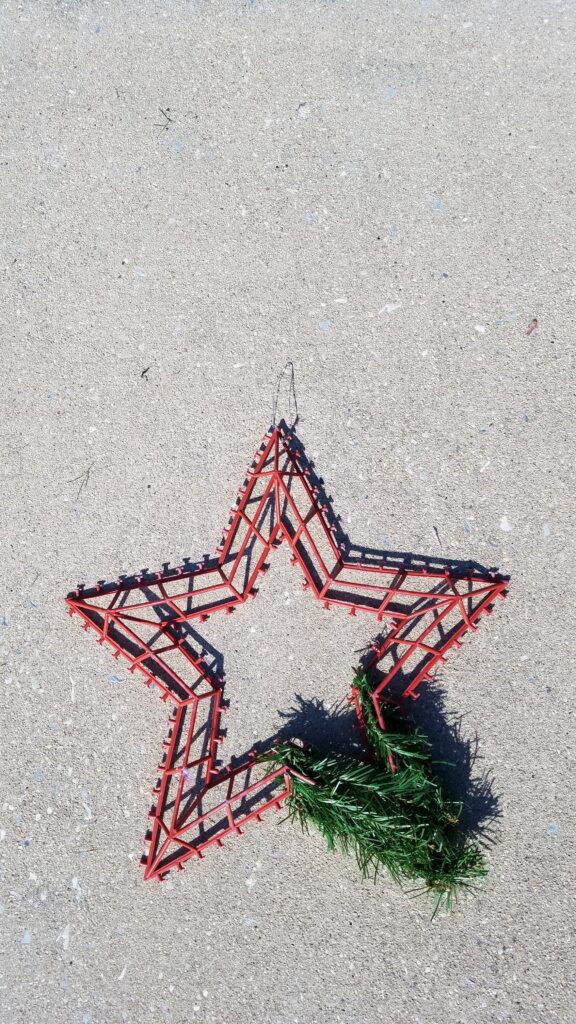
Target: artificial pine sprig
390,811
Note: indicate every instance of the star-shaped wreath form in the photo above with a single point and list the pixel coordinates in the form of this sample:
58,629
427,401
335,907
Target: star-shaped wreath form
422,609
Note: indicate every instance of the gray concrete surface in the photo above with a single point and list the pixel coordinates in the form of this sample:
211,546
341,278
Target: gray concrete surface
383,193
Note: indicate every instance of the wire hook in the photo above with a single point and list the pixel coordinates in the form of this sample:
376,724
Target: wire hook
292,400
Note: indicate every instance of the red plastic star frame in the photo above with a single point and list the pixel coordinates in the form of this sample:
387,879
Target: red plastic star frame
422,607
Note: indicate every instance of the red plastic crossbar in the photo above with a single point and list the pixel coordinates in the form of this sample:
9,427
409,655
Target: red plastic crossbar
424,612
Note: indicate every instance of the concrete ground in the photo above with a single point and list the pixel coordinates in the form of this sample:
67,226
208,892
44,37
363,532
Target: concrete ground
194,193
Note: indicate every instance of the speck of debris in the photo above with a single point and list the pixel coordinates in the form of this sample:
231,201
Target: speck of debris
167,119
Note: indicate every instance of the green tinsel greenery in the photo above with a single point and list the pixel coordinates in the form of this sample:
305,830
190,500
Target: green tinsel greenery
397,819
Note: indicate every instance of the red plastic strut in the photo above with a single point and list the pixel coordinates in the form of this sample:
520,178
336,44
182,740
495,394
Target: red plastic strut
423,607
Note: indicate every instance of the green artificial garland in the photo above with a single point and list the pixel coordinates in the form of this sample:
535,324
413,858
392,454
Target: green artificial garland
389,810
